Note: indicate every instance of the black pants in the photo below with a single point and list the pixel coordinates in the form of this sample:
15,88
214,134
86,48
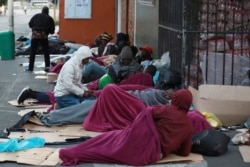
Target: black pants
34,45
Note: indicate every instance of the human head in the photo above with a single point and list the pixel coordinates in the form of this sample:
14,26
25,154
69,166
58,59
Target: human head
106,37
45,10
83,54
182,99
126,55
146,52
121,45
134,50
112,50
122,37
98,41
151,69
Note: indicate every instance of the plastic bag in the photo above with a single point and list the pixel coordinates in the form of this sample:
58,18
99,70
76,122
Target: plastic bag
212,119
164,61
13,144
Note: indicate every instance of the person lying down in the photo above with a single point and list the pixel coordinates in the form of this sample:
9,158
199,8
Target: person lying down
155,131
76,114
116,112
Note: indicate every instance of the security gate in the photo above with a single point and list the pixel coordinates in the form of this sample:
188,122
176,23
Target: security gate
208,40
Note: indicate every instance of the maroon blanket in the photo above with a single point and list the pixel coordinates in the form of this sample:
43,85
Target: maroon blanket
136,145
117,113
198,121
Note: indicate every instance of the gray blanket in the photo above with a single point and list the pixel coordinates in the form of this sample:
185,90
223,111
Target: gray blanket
69,115
77,113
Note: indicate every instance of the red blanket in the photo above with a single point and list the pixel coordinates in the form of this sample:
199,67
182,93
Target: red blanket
117,113
136,145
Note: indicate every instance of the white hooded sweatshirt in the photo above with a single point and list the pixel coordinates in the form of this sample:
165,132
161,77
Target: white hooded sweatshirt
70,76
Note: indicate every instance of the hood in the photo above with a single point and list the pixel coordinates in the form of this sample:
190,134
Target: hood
82,53
182,99
126,53
45,10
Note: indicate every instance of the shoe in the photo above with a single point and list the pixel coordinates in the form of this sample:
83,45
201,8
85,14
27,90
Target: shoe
23,95
46,69
28,70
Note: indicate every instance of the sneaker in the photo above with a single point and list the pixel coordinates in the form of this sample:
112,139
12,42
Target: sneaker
23,95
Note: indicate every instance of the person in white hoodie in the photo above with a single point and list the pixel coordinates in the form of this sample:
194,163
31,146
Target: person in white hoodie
69,89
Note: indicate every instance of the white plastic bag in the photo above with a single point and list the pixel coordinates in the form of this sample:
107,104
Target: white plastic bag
164,61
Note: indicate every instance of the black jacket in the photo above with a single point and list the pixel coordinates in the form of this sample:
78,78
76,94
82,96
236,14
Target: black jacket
42,21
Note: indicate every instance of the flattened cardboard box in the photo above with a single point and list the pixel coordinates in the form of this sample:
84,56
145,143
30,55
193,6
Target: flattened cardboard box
231,104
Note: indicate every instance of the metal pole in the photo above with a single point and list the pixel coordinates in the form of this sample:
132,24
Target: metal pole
54,9
11,15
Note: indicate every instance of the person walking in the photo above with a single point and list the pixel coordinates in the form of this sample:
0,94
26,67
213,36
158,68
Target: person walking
42,25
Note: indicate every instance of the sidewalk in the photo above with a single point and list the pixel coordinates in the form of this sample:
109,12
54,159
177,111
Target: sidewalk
13,79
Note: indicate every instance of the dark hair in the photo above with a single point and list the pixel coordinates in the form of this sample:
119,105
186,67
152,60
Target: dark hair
112,50
120,45
45,10
151,69
121,37
134,50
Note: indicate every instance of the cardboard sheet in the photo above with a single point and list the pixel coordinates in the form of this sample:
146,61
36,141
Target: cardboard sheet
54,133
23,112
229,103
175,158
28,102
49,137
41,77
245,153
78,131
41,72
36,156
50,157
35,127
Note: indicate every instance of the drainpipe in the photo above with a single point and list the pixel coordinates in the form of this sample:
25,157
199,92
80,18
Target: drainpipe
11,15
127,15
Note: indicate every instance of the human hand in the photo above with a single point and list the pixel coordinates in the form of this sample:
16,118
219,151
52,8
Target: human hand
88,93
168,93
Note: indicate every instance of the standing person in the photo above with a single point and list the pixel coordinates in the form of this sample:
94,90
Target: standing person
25,9
69,89
42,25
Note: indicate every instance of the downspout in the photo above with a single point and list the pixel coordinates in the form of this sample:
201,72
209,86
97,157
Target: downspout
127,15
11,15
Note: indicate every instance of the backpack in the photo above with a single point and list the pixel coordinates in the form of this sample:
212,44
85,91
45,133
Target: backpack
210,142
168,79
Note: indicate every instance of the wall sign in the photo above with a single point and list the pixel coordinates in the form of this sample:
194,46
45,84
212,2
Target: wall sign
77,9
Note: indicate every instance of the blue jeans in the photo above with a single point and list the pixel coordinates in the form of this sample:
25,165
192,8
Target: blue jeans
42,97
92,72
70,100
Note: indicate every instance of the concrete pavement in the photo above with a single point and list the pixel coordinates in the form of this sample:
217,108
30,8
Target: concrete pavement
13,79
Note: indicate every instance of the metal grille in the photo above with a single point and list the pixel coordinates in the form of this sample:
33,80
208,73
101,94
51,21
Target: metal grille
170,30
208,40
